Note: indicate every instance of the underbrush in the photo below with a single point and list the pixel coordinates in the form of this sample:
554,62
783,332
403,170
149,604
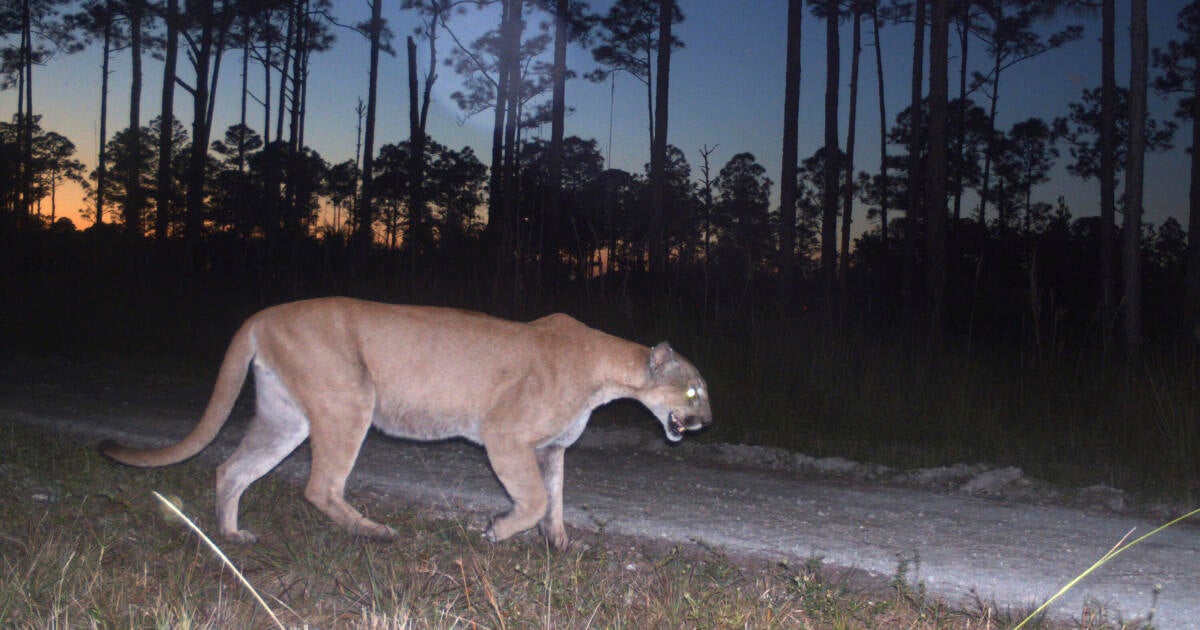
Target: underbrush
83,544
1072,419
1067,413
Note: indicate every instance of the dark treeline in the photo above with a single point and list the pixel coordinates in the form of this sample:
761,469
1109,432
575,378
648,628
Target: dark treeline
547,215
193,228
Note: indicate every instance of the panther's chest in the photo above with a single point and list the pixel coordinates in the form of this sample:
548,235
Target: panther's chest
571,432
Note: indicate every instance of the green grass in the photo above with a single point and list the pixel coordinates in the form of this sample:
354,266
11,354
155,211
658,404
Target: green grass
83,544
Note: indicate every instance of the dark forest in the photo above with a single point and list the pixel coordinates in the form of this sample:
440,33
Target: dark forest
970,322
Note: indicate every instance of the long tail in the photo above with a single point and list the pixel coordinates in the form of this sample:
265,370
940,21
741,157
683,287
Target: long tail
229,384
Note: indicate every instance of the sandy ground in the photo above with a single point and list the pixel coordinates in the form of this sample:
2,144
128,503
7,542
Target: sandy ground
960,529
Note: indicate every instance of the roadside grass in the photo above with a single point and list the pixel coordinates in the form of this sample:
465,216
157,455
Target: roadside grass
1070,418
84,544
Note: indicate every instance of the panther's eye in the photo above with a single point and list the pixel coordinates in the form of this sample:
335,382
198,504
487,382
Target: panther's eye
691,392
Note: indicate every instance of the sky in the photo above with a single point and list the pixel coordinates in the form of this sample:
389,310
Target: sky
726,91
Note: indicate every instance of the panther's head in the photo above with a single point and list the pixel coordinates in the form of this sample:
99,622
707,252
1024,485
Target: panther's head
675,393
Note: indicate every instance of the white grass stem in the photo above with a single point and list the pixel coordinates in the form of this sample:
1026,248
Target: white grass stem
220,554
1117,550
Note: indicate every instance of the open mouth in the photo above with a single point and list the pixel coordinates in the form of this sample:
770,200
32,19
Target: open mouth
675,426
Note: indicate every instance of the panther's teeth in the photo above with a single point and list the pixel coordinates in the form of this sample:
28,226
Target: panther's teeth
675,425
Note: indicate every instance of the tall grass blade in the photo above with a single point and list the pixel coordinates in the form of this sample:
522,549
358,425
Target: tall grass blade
1117,550
220,554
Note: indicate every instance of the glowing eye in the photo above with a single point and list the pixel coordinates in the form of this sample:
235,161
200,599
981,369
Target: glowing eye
691,392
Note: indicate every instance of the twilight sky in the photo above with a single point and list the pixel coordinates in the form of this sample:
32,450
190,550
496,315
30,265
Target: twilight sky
726,91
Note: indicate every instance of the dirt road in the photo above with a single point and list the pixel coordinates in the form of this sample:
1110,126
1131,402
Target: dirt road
1013,553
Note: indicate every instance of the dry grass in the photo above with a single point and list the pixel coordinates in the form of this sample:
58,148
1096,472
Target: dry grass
82,544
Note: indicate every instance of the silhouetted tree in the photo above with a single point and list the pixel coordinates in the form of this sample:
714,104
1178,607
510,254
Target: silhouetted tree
848,183
938,168
392,192
1131,256
915,143
145,176
1081,130
1179,63
743,211
342,189
628,36
379,37
829,11
877,25
456,184
1010,38
966,23
496,76
791,141
238,195
568,24
41,34
1023,161
417,116
135,193
99,19
1108,163
453,185
433,12
173,23
53,163
810,196
11,179
207,28
668,15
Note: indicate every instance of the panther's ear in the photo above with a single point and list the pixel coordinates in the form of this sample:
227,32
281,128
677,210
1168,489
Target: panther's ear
660,356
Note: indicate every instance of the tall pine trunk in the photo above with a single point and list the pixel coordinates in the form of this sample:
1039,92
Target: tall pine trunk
201,56
266,59
297,78
295,144
960,136
935,188
416,193
650,94
366,231
133,190
848,184
557,122
1192,292
1134,172
165,122
497,230
829,188
884,185
101,168
512,254
27,194
658,153
1108,167
984,193
245,91
289,49
791,142
914,159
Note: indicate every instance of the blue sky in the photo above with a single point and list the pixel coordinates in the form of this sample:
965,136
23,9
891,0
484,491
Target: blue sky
726,91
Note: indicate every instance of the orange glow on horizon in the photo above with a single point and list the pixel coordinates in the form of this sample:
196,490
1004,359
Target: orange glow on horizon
69,202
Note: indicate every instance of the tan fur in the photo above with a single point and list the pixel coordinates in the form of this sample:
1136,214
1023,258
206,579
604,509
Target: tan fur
329,369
